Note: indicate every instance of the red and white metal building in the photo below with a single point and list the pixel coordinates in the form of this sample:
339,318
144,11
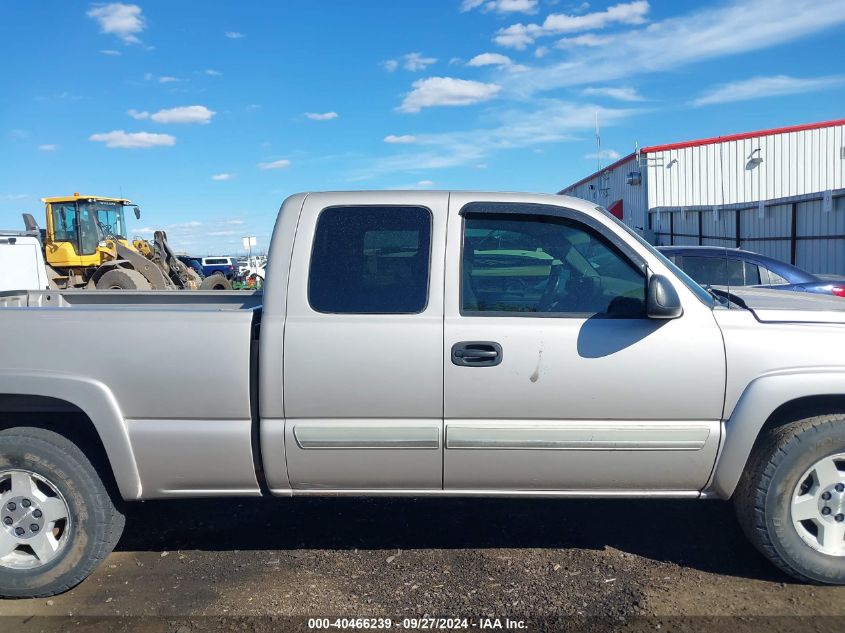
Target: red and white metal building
780,192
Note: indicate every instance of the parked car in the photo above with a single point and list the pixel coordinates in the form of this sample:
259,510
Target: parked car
195,263
717,266
226,266
430,344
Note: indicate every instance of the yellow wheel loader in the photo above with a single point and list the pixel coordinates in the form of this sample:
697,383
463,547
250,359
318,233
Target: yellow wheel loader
86,245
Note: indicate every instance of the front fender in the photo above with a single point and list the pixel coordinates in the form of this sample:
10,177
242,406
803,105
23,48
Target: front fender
97,401
762,397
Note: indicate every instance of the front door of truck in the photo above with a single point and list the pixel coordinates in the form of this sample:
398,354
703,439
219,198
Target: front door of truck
363,367
554,377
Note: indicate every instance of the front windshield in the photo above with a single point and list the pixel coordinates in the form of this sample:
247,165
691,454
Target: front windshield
700,292
110,217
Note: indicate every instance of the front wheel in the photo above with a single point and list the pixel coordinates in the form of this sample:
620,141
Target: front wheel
57,519
791,498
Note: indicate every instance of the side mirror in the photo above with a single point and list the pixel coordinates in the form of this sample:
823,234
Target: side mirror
137,211
663,301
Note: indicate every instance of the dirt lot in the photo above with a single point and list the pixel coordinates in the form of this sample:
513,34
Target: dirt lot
550,562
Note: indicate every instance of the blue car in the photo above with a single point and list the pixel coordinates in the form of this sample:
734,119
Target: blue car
717,266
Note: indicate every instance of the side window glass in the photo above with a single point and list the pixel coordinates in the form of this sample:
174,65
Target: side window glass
707,271
752,274
736,273
536,264
370,260
777,280
65,222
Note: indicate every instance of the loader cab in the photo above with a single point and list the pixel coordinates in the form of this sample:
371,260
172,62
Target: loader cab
77,227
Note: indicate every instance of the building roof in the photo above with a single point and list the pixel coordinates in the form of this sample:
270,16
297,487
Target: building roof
710,141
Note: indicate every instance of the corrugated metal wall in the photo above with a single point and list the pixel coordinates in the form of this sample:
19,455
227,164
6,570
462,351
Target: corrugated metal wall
610,185
747,170
786,170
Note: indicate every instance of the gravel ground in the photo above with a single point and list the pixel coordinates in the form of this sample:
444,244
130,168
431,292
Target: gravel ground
239,564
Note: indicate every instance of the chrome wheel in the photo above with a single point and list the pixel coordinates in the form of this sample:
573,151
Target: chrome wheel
818,506
34,520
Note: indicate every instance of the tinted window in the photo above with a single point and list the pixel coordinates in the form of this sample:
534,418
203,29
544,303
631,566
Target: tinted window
370,260
721,271
539,264
216,260
708,271
752,274
777,280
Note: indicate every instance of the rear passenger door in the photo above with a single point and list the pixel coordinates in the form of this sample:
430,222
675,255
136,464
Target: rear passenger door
363,365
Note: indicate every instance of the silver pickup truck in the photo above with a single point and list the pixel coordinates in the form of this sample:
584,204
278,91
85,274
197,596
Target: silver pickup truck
426,344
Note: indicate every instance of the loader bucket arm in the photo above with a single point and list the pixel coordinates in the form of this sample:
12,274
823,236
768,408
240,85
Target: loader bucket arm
150,271
181,275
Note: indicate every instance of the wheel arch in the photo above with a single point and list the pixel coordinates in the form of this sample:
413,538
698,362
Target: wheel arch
59,402
770,401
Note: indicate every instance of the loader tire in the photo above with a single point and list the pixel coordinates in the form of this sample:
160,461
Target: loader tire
123,279
790,500
58,520
215,282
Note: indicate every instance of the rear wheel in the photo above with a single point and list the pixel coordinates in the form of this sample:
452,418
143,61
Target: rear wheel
57,519
791,498
122,279
215,282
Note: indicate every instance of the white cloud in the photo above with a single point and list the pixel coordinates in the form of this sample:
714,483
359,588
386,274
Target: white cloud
122,20
553,121
48,147
490,59
446,91
221,233
183,114
317,116
587,39
221,177
403,139
234,35
501,6
13,196
425,183
135,114
413,62
111,52
541,52
605,154
234,222
521,35
212,73
416,62
167,80
709,33
760,87
133,140
276,164
620,94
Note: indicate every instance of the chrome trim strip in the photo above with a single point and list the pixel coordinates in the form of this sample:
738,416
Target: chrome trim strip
429,492
367,437
590,438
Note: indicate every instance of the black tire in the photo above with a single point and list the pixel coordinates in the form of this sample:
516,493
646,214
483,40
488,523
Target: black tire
215,282
764,494
96,523
122,279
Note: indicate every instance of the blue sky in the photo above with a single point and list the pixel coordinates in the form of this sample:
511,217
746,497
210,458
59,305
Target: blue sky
208,114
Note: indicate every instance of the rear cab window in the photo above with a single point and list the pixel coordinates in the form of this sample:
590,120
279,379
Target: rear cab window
371,260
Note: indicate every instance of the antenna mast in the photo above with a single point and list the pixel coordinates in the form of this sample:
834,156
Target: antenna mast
598,143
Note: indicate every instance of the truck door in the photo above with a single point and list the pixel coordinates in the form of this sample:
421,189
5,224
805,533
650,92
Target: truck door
363,366
554,377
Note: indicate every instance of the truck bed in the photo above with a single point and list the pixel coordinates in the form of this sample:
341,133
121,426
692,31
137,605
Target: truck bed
176,366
